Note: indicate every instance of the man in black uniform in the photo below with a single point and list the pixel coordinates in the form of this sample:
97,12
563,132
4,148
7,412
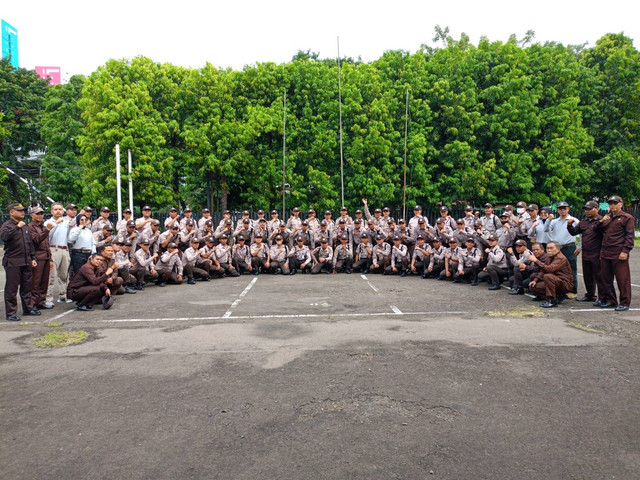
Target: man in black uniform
18,260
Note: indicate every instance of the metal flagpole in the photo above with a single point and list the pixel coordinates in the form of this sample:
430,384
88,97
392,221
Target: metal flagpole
406,128
130,183
118,192
284,150
340,109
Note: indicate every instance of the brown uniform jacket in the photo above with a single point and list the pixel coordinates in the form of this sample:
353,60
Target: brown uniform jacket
87,275
40,237
618,235
559,266
18,245
591,236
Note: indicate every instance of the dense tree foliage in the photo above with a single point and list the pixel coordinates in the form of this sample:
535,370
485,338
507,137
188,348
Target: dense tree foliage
496,121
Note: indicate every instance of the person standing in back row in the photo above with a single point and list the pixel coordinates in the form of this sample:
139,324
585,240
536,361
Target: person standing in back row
559,234
617,241
40,237
58,227
18,261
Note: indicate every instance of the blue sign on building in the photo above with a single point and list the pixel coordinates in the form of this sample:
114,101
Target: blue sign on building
10,43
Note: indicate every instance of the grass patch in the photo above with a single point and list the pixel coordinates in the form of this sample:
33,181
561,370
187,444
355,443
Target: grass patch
585,328
60,339
53,324
518,312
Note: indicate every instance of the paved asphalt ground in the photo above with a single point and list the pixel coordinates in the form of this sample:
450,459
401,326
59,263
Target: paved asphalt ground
325,377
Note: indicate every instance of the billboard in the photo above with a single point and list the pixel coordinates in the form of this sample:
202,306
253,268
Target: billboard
10,43
52,73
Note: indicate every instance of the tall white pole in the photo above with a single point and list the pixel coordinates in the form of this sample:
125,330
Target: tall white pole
130,183
406,128
118,192
284,150
340,109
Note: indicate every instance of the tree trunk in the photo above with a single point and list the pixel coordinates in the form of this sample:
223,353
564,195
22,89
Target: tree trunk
224,193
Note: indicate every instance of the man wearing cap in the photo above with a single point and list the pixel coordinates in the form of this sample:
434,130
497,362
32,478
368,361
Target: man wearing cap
278,257
381,255
58,227
102,220
144,223
274,223
314,224
284,233
559,234
121,226
343,255
356,233
188,233
18,261
532,217
386,219
443,230
420,256
226,215
153,235
88,286
208,253
520,221
295,222
71,211
327,218
617,241
169,266
506,233
469,265
496,268
40,237
260,226
344,213
168,237
518,259
359,215
206,215
428,233
554,280
259,254
469,218
490,222
399,263
538,230
255,224
241,255
172,219
417,215
246,230
188,216
205,232
448,219
193,265
103,237
122,256
341,229
83,243
300,256
589,245
436,259
451,260
322,257
462,232
223,255
363,254
376,214
143,262
241,221
225,229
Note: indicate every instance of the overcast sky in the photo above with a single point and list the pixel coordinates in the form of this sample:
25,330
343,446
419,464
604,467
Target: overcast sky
79,36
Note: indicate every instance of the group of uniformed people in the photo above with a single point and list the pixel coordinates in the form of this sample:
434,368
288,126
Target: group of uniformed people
89,261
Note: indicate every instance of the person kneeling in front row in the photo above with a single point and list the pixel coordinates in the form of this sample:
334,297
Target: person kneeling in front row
88,286
555,278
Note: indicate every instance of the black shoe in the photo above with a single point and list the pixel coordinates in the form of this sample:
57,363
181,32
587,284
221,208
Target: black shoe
495,287
292,272
13,318
607,305
621,308
403,274
206,279
365,271
31,313
107,302
161,284
598,303
585,299
128,289
45,306
475,284
84,308
191,281
423,276
516,291
348,271
457,280
537,298
562,297
139,286
549,303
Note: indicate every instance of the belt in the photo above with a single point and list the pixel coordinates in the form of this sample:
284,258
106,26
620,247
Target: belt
568,245
63,247
81,250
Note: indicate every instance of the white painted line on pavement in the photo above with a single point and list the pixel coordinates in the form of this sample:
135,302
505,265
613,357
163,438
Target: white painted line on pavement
61,315
395,309
244,292
364,277
266,317
375,289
